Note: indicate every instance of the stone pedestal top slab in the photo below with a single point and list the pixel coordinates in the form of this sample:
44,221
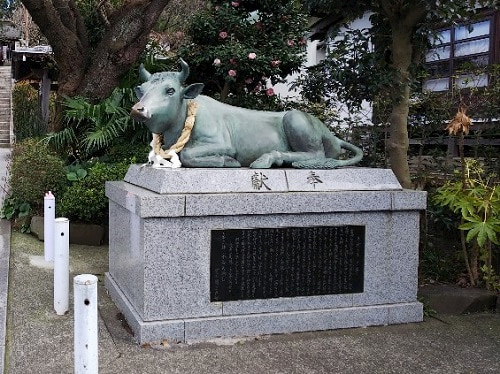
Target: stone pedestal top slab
193,192
225,180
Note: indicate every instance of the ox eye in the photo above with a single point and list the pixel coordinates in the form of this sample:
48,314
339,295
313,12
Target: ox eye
170,91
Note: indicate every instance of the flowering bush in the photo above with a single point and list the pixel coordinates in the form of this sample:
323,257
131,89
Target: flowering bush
270,91
243,47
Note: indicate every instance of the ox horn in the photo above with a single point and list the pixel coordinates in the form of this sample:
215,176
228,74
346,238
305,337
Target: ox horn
144,75
185,71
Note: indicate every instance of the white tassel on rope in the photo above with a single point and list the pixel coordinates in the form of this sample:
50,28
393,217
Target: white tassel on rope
158,162
49,215
86,327
61,266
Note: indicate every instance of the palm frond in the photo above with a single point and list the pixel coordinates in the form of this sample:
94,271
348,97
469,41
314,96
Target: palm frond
62,139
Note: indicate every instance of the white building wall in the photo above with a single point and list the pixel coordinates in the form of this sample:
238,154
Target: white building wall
316,53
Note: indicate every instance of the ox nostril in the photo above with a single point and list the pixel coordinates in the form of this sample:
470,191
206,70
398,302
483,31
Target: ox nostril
140,113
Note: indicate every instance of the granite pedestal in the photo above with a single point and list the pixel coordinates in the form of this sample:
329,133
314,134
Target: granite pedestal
161,249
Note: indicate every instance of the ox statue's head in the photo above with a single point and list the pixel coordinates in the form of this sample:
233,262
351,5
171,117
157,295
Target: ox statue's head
161,98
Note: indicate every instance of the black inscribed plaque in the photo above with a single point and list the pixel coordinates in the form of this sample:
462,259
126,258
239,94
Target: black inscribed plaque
286,262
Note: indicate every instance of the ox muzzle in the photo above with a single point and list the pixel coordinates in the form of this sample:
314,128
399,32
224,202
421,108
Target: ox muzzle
140,113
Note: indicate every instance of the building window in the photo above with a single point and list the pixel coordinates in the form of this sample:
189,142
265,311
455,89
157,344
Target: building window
454,47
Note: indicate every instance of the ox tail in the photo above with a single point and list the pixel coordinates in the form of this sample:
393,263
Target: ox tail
331,163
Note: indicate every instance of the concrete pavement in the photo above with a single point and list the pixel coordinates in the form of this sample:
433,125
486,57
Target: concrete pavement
4,284
40,341
4,253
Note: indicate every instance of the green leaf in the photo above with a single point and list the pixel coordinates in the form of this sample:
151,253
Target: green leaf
81,173
468,226
24,210
26,229
8,212
482,235
72,176
483,231
473,232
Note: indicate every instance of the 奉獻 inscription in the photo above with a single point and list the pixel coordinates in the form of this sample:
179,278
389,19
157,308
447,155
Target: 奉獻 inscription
286,262
259,180
313,179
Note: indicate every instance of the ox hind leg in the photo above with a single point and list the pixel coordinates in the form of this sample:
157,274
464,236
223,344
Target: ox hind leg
304,135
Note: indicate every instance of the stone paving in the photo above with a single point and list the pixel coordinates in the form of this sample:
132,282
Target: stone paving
5,152
42,342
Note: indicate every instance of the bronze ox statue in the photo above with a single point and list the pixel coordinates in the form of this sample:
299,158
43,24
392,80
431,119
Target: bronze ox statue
229,136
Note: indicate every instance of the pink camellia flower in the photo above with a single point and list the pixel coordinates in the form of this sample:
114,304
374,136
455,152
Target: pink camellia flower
235,3
290,42
217,62
270,91
223,35
232,73
275,63
302,41
252,56
248,80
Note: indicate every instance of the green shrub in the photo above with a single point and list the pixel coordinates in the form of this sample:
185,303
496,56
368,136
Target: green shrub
123,149
85,199
26,112
34,171
476,201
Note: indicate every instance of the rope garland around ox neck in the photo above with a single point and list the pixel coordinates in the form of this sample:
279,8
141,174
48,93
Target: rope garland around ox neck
192,107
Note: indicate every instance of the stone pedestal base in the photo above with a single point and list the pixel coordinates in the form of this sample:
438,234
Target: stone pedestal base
161,226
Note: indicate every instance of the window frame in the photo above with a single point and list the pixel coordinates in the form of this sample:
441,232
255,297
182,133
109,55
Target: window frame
452,62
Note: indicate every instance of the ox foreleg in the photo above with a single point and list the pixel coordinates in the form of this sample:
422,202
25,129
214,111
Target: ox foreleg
209,155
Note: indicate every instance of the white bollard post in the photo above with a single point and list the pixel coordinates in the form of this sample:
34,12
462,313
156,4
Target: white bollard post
86,327
49,215
61,266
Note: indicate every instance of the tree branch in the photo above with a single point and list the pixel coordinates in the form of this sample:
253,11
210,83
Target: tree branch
387,8
415,14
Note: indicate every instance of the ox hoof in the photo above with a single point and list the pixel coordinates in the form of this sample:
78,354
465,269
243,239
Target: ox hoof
267,160
259,165
230,162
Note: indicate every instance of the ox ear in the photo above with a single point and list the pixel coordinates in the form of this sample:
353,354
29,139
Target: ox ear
144,75
193,90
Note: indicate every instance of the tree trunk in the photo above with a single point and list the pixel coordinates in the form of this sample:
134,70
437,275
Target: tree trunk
94,74
398,140
225,92
403,18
